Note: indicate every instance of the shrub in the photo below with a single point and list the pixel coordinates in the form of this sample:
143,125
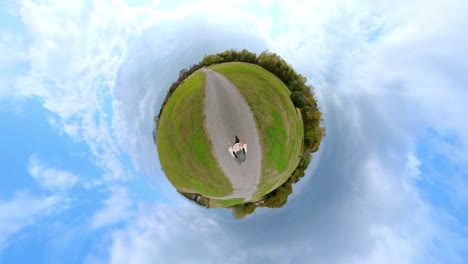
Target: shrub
298,99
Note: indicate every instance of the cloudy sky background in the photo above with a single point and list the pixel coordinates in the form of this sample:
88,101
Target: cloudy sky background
81,181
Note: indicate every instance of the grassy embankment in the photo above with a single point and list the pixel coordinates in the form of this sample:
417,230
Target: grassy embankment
184,148
280,125
216,203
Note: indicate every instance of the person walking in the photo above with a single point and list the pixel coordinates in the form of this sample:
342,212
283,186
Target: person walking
237,147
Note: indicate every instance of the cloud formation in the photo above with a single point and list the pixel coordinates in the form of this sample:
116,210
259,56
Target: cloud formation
51,178
22,210
116,209
70,64
368,64
388,77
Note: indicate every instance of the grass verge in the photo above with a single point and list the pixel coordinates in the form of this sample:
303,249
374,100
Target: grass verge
214,203
279,124
184,148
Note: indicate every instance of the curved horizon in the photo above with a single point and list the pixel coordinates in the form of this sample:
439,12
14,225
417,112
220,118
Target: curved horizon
82,81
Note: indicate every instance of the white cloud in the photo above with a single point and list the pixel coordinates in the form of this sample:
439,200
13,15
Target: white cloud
149,65
156,229
369,63
51,178
72,57
82,59
413,164
117,208
21,211
384,72
381,67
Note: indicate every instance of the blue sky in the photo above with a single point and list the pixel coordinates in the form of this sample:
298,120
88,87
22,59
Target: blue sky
80,82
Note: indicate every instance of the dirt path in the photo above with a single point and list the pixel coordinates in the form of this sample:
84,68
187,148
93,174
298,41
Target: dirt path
227,115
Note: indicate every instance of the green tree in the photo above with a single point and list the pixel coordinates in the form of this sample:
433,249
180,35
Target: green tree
242,210
211,59
279,196
298,99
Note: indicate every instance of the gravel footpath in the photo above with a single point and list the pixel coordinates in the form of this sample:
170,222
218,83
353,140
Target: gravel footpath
227,115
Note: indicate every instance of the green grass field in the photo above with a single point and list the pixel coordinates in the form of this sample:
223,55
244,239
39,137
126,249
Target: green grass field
184,149
279,124
215,203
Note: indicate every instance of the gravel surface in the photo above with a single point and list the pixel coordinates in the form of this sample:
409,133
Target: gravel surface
227,115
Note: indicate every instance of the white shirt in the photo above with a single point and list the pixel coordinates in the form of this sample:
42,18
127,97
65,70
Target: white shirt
237,147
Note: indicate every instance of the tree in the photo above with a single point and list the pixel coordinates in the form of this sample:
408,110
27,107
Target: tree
240,211
278,197
182,73
211,59
247,56
298,99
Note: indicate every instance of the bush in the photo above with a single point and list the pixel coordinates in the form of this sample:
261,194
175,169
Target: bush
278,197
242,210
211,59
298,99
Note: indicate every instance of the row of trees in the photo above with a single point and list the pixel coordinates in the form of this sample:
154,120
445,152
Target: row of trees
301,95
225,56
183,74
